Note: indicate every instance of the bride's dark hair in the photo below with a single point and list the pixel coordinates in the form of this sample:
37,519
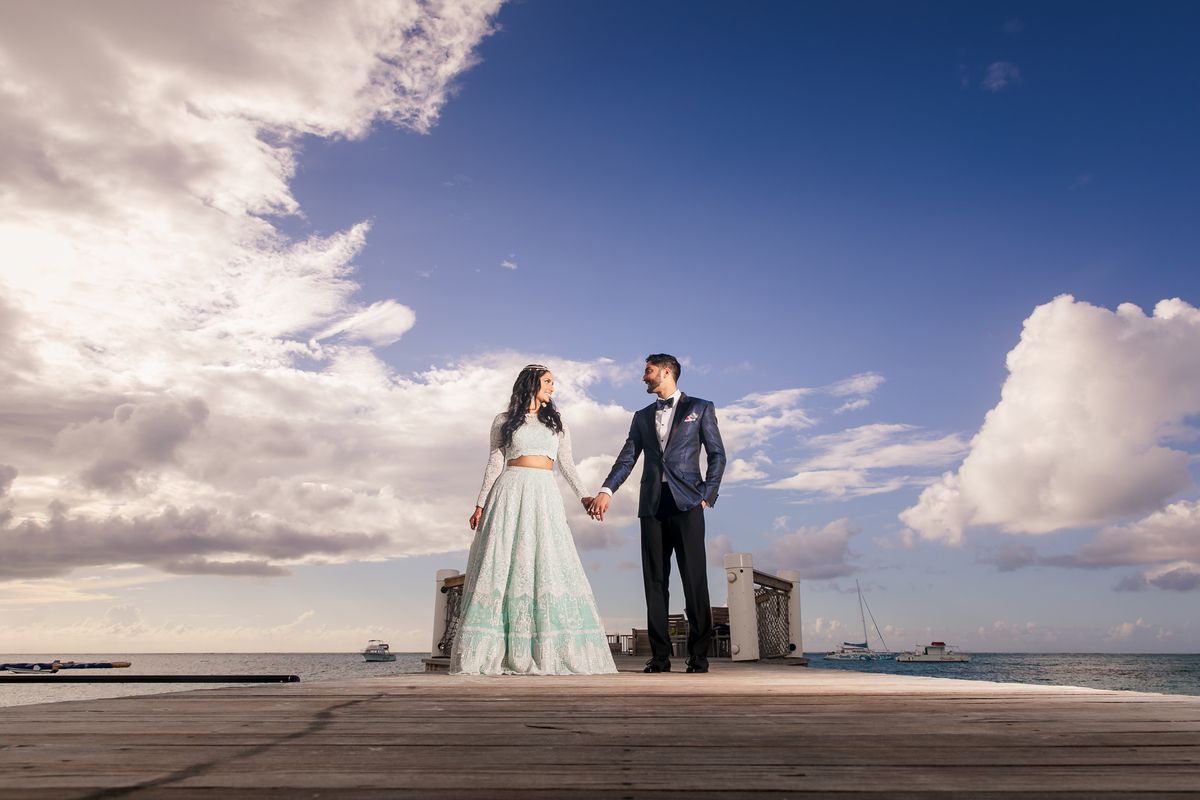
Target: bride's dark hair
525,388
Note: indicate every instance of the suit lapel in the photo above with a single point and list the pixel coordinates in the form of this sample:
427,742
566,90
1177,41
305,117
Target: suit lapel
681,411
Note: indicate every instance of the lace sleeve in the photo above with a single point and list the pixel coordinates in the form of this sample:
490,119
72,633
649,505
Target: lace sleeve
566,463
495,464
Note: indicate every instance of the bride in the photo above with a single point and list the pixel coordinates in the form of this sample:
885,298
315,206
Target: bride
527,604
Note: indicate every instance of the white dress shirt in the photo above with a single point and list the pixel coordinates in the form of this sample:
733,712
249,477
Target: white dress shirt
662,420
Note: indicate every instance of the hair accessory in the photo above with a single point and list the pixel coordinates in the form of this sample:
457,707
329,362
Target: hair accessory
534,366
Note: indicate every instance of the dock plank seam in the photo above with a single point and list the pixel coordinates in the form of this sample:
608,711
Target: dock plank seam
320,721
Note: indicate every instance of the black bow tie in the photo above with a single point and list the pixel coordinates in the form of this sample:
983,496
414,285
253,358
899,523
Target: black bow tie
663,405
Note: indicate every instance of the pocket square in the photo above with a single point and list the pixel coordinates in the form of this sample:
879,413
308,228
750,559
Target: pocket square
692,417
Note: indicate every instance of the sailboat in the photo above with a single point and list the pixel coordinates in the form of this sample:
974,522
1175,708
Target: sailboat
860,651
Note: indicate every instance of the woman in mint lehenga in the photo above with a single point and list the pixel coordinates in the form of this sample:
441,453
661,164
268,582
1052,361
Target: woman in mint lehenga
527,604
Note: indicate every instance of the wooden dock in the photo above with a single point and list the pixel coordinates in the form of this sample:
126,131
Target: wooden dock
743,730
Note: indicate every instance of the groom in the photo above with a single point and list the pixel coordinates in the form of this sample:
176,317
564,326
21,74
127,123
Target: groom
671,505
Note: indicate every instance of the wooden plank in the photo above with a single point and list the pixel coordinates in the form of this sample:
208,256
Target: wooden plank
741,730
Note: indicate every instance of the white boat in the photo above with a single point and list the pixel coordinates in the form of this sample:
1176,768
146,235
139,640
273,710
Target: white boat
935,651
860,651
854,651
377,650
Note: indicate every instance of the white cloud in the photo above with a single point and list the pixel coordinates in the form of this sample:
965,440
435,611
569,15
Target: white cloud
717,547
742,470
753,420
510,262
818,553
1126,633
1080,436
168,400
379,324
864,383
851,463
852,405
1001,74
1169,534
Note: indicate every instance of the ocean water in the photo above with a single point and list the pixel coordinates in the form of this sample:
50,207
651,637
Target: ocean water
308,666
1167,674
1140,672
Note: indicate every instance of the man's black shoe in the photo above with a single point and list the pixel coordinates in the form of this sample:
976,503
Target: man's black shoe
653,666
697,668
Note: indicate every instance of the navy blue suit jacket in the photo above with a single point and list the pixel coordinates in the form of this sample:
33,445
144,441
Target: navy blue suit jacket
694,425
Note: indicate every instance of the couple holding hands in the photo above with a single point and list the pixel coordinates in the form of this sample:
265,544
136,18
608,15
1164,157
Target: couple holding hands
527,606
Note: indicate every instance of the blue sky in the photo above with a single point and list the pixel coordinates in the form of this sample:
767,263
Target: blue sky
843,218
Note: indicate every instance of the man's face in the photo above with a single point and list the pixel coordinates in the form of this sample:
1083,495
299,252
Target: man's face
654,376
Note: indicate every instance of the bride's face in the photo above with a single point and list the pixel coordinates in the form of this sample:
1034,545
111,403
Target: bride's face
545,388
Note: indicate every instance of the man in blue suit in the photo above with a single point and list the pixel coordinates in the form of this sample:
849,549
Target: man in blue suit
671,431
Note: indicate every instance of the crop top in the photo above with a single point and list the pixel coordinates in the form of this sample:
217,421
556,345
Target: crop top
531,439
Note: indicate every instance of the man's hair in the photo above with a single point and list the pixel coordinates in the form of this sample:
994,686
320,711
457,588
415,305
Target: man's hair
664,360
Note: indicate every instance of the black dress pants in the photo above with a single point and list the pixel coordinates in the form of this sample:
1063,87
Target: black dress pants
682,533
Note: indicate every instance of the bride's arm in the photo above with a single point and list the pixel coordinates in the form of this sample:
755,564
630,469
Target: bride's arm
495,464
566,463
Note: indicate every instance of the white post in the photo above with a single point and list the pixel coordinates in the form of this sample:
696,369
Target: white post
794,631
743,613
439,608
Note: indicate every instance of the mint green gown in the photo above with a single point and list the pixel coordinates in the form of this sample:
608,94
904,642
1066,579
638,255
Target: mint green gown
527,604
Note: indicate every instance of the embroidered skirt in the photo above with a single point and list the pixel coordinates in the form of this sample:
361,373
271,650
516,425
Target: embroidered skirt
527,606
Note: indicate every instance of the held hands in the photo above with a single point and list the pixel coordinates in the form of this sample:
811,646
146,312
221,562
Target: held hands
598,505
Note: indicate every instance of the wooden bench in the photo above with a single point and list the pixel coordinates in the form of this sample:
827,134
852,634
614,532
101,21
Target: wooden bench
677,629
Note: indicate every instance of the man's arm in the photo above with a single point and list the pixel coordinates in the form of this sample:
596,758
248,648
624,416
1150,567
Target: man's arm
625,460
619,472
710,437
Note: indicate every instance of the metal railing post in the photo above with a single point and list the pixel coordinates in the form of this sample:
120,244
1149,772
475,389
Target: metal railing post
439,609
795,633
743,614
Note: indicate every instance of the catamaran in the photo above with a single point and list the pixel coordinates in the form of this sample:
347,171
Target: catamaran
861,651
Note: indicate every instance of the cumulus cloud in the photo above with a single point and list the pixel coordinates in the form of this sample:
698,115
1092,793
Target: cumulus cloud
817,553
186,386
1169,534
870,459
1001,74
1082,433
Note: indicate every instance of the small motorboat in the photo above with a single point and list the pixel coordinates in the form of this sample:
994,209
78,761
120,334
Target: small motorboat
935,651
377,650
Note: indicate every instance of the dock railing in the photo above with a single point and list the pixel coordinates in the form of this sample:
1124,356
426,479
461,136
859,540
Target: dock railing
447,611
764,611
